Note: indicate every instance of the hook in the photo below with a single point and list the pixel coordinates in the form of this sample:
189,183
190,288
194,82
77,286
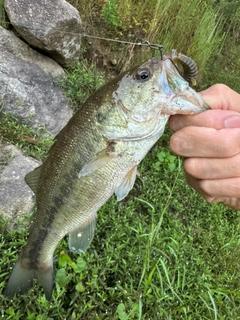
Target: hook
154,46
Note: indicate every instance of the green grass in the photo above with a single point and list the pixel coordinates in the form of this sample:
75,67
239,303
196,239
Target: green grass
80,81
4,21
34,143
162,253
192,27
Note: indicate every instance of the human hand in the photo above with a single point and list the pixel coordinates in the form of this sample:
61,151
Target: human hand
210,144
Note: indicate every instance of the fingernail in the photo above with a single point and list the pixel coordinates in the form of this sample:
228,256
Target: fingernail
232,122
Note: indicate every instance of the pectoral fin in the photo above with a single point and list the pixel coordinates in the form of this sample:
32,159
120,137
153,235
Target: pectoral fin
127,184
80,238
102,158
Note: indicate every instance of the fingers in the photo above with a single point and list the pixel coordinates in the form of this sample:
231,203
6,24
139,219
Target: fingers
211,143
220,96
233,203
217,119
215,188
224,191
206,142
213,168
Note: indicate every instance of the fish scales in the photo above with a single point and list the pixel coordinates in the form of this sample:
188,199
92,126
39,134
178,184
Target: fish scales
95,155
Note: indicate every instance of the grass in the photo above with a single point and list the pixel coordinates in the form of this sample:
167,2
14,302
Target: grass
162,253
192,27
80,81
4,21
34,143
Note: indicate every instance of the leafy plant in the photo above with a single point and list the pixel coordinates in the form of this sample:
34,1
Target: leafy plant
110,12
166,158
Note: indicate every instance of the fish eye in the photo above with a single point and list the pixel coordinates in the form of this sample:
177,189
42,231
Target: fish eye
143,74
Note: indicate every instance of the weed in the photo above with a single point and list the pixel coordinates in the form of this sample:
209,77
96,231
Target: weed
35,143
166,158
110,12
80,82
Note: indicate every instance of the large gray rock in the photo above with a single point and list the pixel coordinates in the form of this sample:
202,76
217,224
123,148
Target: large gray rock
53,26
16,198
28,92
11,44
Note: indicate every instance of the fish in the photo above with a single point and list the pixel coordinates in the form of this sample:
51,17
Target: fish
96,155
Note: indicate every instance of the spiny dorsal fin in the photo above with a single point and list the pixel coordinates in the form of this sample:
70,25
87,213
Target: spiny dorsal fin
32,179
80,238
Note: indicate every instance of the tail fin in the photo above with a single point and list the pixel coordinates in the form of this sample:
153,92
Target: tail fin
21,280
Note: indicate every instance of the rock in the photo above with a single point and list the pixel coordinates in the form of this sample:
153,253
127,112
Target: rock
16,198
26,91
52,26
10,43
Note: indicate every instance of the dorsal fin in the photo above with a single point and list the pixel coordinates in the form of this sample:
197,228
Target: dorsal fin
32,179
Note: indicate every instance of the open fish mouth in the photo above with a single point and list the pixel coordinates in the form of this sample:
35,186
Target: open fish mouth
189,97
176,86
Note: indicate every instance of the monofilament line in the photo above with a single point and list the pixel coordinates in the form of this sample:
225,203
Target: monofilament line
142,43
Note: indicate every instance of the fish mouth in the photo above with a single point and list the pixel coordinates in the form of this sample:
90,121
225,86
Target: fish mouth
191,101
180,97
185,102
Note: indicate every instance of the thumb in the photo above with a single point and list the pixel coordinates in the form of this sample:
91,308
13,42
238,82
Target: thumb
217,119
220,96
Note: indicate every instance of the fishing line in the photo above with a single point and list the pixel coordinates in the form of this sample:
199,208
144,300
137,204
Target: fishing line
145,43
142,43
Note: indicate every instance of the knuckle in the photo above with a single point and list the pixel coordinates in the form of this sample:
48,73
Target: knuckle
230,145
233,188
220,87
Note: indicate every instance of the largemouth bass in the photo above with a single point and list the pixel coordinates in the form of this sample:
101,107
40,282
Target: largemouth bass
94,156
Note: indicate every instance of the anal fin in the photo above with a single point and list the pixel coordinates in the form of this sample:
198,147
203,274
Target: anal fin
81,237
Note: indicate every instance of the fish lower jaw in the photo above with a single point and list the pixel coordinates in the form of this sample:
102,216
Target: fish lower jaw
180,106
